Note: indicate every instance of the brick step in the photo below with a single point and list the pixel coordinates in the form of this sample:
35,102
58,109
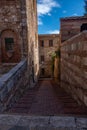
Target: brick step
48,99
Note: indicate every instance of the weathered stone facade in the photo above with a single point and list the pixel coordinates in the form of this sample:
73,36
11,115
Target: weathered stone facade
74,67
18,33
11,24
48,43
71,26
33,48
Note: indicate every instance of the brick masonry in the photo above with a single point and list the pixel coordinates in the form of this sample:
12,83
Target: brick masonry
47,51
74,67
71,26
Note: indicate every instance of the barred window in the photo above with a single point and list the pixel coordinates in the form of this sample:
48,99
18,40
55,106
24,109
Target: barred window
42,58
9,44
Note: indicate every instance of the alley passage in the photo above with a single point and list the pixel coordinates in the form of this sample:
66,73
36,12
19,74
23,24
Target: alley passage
47,98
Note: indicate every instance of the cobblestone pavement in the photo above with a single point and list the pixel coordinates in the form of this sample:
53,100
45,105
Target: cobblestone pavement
47,99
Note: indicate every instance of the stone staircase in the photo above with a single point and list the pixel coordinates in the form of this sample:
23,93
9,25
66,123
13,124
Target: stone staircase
47,98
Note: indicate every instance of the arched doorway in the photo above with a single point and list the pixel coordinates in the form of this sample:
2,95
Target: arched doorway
83,27
10,49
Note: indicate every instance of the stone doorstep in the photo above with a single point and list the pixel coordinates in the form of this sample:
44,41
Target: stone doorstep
24,122
36,128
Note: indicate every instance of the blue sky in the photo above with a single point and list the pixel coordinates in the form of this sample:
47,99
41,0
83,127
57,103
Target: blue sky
50,12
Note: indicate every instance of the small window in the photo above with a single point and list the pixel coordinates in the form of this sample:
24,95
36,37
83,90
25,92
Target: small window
69,32
42,71
50,43
42,43
9,44
32,62
42,58
83,27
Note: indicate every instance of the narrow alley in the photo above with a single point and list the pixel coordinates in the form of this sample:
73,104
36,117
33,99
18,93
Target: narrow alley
47,98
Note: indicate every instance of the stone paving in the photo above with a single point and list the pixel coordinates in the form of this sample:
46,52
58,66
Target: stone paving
20,122
47,99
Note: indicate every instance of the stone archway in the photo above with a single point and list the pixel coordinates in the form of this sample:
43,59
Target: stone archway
10,49
83,27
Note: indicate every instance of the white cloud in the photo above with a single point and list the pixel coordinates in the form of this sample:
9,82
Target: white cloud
75,14
64,11
40,21
53,32
44,7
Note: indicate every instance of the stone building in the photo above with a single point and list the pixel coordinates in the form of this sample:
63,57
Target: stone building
70,26
18,33
48,44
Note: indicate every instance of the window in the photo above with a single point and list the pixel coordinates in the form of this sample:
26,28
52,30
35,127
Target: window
50,43
83,27
9,44
69,32
42,71
42,58
32,62
42,43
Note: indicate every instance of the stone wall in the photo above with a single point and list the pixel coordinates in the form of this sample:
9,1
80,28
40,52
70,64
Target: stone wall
13,25
4,68
33,48
74,67
13,84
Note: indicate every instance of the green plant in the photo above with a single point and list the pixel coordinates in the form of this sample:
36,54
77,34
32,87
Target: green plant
53,56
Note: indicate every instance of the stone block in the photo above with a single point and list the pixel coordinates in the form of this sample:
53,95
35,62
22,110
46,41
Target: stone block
5,127
33,121
85,74
85,99
3,92
10,84
52,128
19,128
81,123
1,85
84,61
85,46
61,122
11,120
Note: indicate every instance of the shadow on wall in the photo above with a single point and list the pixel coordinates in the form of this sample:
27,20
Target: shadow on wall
19,128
